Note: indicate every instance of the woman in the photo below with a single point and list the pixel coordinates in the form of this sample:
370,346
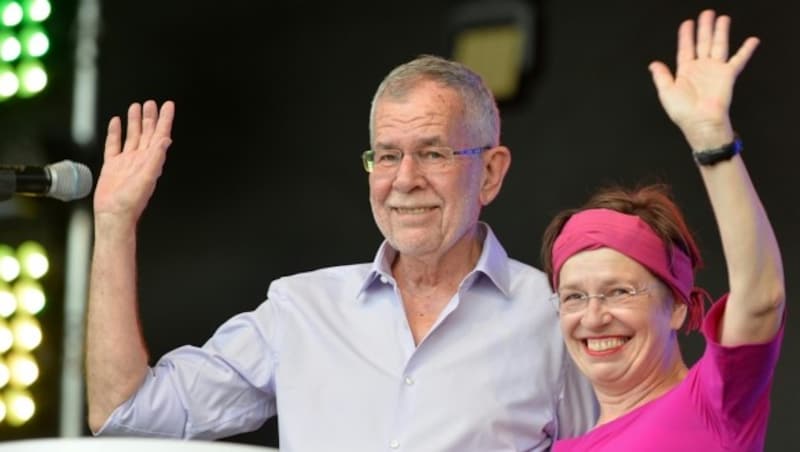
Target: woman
623,270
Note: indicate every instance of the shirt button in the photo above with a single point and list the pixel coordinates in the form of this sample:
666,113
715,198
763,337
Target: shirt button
409,381
384,279
394,444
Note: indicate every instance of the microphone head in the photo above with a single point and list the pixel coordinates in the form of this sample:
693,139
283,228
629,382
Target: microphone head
69,180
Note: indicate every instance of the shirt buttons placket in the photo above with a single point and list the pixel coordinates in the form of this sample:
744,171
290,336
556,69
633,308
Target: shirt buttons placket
394,444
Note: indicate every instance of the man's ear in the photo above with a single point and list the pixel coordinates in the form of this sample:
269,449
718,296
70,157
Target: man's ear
496,162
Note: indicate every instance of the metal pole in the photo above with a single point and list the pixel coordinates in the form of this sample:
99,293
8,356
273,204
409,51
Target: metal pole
79,228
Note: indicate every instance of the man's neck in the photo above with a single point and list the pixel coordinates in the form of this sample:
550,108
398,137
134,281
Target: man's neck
428,283
446,269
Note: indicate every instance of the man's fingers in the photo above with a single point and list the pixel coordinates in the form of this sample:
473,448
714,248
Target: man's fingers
134,129
686,50
113,138
662,78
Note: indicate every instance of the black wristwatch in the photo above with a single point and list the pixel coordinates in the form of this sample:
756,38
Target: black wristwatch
713,156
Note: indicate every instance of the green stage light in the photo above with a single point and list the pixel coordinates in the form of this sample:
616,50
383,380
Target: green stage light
32,78
36,10
34,41
11,13
10,47
24,41
9,85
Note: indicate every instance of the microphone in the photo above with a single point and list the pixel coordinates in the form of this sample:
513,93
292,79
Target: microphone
65,180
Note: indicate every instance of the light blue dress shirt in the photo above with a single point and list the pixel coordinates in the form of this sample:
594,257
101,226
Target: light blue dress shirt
332,353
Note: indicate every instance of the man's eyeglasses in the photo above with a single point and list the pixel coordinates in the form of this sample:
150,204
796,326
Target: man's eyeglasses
573,301
430,159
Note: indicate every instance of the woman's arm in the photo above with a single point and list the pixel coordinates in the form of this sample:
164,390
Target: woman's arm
697,98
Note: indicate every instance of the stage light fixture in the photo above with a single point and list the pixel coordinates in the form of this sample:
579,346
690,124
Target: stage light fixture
495,38
9,83
11,13
33,259
10,47
24,43
6,337
30,296
37,10
27,332
20,407
8,301
5,374
32,78
23,370
22,297
34,41
9,265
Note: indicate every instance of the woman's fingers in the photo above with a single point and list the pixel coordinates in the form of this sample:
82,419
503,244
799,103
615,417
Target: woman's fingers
719,41
149,117
705,32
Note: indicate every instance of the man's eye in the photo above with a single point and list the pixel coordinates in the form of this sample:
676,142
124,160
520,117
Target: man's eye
387,157
432,155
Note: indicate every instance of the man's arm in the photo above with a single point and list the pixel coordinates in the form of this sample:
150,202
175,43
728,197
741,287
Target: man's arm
116,356
577,407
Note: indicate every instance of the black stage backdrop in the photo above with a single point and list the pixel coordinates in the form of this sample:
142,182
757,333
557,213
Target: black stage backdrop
264,177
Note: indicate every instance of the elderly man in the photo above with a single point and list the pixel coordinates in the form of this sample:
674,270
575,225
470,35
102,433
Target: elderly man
442,343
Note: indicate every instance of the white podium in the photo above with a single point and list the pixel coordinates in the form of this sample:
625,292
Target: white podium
89,444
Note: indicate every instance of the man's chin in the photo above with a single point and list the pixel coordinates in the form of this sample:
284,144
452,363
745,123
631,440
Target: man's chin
414,246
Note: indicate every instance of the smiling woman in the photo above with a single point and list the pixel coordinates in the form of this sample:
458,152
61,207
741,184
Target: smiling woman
623,268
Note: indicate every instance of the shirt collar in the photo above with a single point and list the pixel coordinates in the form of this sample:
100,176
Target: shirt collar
493,262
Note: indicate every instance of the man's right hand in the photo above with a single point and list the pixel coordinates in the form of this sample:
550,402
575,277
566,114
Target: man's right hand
130,171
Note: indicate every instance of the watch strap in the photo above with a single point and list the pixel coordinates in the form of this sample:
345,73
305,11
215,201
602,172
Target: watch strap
713,156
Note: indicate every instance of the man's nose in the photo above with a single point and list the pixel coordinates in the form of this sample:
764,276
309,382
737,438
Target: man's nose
409,173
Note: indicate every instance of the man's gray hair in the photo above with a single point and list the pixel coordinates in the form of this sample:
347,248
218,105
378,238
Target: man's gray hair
482,117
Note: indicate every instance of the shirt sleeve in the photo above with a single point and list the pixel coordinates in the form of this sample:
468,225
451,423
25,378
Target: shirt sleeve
223,388
577,405
735,382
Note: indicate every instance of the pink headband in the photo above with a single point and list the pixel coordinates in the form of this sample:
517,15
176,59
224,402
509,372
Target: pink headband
630,235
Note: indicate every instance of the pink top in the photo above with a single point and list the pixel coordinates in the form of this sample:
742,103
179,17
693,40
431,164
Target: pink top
721,405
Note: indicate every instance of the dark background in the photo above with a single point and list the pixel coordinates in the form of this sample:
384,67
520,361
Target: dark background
264,179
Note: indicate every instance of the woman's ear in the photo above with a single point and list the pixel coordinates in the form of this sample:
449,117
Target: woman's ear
679,313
